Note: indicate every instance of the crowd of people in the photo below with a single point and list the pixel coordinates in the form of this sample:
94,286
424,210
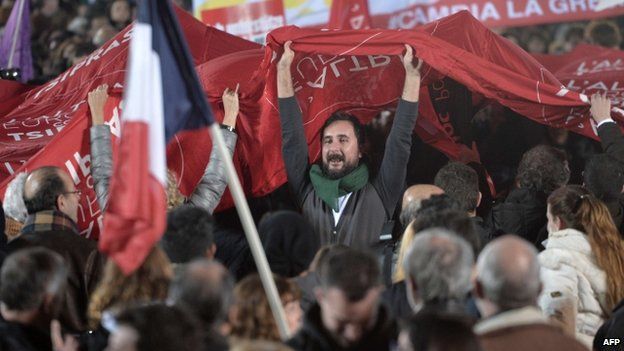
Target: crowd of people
383,244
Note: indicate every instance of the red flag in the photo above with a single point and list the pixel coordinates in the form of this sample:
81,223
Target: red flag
327,79
590,69
349,14
50,124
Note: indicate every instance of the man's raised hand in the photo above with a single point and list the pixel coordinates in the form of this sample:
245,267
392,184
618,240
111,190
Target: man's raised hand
287,56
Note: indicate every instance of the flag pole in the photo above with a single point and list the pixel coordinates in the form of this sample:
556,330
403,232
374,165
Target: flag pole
20,11
251,232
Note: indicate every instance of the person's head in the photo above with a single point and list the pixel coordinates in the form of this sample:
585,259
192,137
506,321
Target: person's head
537,43
189,234
13,205
604,33
206,287
574,207
437,268
324,252
460,182
83,50
32,284
428,208
507,276
573,36
453,220
349,294
116,290
252,317
544,169
431,331
342,139
155,326
289,242
604,177
49,188
413,198
103,34
120,13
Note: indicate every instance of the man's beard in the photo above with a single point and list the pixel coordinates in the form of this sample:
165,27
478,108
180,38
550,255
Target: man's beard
337,173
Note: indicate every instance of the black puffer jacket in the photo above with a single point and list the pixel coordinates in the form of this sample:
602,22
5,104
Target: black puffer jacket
523,213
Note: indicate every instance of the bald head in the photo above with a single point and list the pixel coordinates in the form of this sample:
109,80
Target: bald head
50,188
412,199
207,287
508,273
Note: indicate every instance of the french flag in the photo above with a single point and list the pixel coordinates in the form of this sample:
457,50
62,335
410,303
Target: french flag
162,96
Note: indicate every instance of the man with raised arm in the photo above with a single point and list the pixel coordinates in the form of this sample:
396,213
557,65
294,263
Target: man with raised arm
337,196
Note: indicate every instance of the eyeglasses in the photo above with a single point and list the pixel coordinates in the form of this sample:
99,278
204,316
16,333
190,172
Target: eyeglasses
77,192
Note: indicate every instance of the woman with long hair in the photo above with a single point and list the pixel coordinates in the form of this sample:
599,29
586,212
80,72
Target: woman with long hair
116,291
583,264
252,318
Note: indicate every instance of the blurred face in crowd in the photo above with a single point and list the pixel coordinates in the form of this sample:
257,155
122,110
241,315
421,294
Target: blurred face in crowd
340,149
348,321
294,313
536,45
120,11
123,338
554,223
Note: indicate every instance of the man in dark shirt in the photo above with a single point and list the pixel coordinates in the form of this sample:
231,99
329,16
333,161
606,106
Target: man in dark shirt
336,196
348,314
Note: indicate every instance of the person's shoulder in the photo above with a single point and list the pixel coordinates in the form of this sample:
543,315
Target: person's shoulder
548,337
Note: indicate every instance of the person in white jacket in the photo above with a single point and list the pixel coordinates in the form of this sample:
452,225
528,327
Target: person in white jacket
582,267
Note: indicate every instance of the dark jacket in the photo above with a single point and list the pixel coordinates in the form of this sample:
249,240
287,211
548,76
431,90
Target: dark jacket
369,208
395,298
613,328
612,142
83,260
307,283
19,337
522,213
314,337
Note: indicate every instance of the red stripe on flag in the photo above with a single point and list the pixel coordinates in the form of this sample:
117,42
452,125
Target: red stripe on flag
136,216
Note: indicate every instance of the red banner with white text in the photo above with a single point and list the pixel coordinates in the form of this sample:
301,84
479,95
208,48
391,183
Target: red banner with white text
50,124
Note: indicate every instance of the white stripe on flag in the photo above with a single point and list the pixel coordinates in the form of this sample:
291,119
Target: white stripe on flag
143,97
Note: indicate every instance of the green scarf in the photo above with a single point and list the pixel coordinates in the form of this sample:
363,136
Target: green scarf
329,190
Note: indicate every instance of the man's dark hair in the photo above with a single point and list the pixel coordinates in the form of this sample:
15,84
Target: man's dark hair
456,221
604,177
164,328
205,287
354,272
604,33
50,187
358,129
437,203
84,49
460,182
189,234
429,330
543,168
29,275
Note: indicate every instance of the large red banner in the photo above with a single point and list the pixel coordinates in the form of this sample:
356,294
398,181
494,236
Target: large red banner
50,125
590,69
496,13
